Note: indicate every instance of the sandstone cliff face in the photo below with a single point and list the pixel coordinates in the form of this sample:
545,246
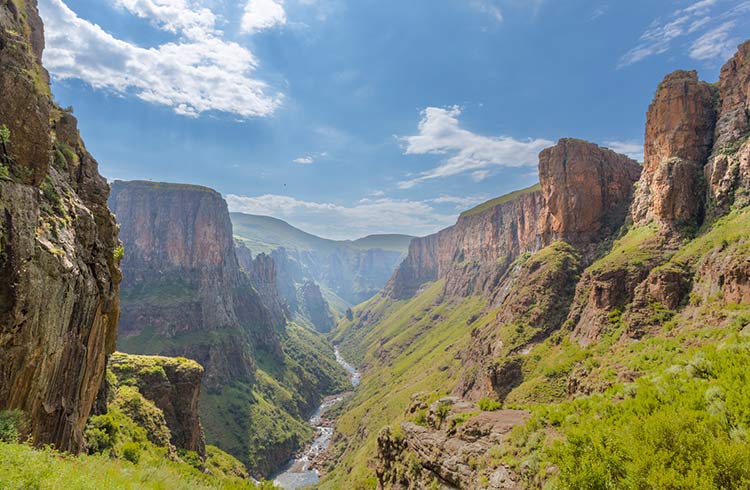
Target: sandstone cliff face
59,293
174,386
587,192
679,137
182,281
584,196
263,275
475,251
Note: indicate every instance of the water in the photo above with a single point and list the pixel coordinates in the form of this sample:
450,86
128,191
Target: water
300,472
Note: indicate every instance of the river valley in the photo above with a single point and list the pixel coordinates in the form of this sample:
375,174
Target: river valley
300,471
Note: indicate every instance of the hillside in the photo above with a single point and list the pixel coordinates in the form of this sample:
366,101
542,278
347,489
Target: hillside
345,272
587,333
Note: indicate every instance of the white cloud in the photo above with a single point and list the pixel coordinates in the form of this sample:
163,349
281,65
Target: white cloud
176,16
633,149
304,160
703,21
440,133
262,14
718,43
345,222
480,175
192,76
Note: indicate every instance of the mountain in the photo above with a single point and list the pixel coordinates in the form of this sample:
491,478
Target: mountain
59,253
346,272
184,294
586,333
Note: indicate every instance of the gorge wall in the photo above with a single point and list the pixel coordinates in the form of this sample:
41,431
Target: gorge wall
605,274
58,248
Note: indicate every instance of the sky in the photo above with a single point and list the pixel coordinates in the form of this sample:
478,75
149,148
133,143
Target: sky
348,118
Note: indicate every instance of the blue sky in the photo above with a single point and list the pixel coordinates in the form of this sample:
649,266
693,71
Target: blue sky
368,116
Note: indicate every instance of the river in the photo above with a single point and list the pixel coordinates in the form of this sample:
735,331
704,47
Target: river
299,472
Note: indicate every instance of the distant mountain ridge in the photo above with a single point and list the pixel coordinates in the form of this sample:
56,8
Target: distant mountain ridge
347,272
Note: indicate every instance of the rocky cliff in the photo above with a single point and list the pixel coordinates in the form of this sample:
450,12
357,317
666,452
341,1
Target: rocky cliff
583,196
627,304
182,282
58,247
173,385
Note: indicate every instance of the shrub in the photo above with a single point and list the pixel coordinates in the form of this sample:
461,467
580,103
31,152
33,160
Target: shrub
4,135
101,433
10,425
119,253
132,452
489,405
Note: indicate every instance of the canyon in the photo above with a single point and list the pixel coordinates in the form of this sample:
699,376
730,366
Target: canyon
555,298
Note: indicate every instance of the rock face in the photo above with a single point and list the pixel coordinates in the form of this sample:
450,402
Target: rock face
587,191
728,172
679,137
264,277
584,196
447,452
471,254
315,307
174,386
58,241
182,280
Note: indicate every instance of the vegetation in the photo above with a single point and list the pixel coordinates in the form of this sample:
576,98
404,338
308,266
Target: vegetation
23,467
489,405
500,200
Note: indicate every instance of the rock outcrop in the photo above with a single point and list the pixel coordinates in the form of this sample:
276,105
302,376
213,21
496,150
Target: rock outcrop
58,248
445,449
679,137
584,196
315,307
264,278
173,385
182,281
587,192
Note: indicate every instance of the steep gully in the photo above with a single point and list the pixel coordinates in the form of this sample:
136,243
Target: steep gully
300,471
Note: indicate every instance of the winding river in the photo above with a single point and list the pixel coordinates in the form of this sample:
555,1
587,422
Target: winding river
300,472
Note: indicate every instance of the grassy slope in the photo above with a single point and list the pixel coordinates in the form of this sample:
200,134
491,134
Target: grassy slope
594,440
23,467
417,344
499,200
251,420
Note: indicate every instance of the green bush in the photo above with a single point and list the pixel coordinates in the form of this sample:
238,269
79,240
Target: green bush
489,405
132,452
119,253
4,134
101,433
10,425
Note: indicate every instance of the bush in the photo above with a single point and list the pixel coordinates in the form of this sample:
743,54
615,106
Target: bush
101,433
10,425
119,253
489,405
132,452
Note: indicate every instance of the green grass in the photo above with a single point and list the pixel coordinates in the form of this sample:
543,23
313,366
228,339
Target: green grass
411,351
169,293
23,467
500,200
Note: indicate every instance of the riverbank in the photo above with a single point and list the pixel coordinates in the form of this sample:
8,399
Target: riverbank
301,471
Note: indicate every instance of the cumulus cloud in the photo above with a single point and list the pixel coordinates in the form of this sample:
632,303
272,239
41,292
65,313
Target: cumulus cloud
440,133
706,25
262,14
304,160
197,73
176,16
346,222
633,149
